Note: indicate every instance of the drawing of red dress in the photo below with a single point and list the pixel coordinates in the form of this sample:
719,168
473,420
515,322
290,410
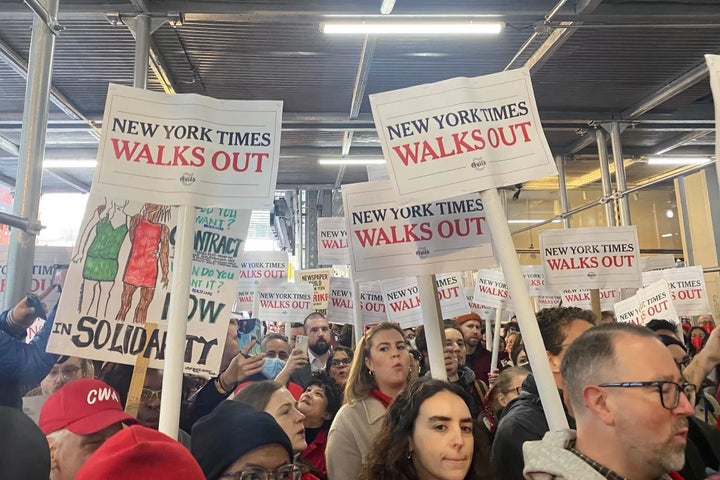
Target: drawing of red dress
142,266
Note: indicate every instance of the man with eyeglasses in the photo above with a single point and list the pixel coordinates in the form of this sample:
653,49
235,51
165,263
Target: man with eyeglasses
631,406
76,420
65,370
523,419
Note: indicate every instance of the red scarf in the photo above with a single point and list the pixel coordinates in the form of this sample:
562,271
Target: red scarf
381,397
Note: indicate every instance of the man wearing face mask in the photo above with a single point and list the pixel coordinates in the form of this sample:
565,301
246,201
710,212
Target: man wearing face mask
277,352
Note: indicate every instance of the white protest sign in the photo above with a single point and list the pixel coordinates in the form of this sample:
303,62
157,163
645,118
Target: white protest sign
687,289
244,300
262,267
43,270
402,301
491,289
319,278
340,305
461,135
332,241
387,241
591,257
547,301
657,262
188,149
485,311
120,278
451,295
284,302
535,280
581,298
377,172
651,302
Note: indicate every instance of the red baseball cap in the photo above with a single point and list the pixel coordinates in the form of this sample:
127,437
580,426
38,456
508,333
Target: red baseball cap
83,407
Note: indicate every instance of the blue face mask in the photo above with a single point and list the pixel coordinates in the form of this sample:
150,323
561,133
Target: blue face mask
272,367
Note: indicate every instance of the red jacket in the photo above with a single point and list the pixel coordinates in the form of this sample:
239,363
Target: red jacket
314,454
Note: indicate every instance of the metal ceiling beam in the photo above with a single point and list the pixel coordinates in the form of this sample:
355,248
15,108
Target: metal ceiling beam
7,180
76,183
558,37
580,143
9,147
665,93
20,66
679,141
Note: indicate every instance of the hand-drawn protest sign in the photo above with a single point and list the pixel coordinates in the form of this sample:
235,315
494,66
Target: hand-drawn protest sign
491,289
332,241
657,262
461,135
119,278
590,257
651,302
580,297
319,278
340,305
387,241
284,302
687,288
188,149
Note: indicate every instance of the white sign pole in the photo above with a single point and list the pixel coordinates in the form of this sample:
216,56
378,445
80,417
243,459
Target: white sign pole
358,328
496,340
427,288
177,322
488,333
505,253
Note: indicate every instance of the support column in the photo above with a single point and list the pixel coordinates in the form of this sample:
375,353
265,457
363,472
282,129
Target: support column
141,29
313,197
32,152
623,202
562,189
605,175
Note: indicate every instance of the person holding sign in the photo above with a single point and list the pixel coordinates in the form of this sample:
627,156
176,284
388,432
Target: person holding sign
23,363
380,370
478,357
524,418
632,416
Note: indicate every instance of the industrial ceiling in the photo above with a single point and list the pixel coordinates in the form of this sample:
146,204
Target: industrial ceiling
592,61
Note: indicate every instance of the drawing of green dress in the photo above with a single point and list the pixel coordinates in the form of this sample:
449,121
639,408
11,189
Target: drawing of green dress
101,263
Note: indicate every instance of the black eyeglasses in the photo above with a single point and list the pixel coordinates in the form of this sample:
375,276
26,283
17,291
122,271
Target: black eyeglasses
338,362
682,364
669,391
284,472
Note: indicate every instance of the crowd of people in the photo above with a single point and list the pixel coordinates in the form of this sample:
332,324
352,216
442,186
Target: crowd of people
640,401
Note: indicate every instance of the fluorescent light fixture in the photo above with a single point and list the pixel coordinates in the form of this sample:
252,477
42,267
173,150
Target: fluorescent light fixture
69,163
530,221
678,160
666,235
352,161
416,28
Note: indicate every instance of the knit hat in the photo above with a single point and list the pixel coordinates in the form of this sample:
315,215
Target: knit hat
230,431
83,407
24,452
139,452
467,317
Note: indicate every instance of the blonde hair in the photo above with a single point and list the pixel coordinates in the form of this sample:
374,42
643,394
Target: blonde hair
360,382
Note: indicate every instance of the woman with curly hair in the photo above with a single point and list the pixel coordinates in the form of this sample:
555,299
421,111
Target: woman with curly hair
379,371
429,434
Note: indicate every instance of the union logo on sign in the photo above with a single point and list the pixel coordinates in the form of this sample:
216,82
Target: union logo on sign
478,163
187,179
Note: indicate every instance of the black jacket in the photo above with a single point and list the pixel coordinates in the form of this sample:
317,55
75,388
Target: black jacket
522,420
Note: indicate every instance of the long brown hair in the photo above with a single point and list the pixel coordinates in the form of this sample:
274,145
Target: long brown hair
389,457
360,383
